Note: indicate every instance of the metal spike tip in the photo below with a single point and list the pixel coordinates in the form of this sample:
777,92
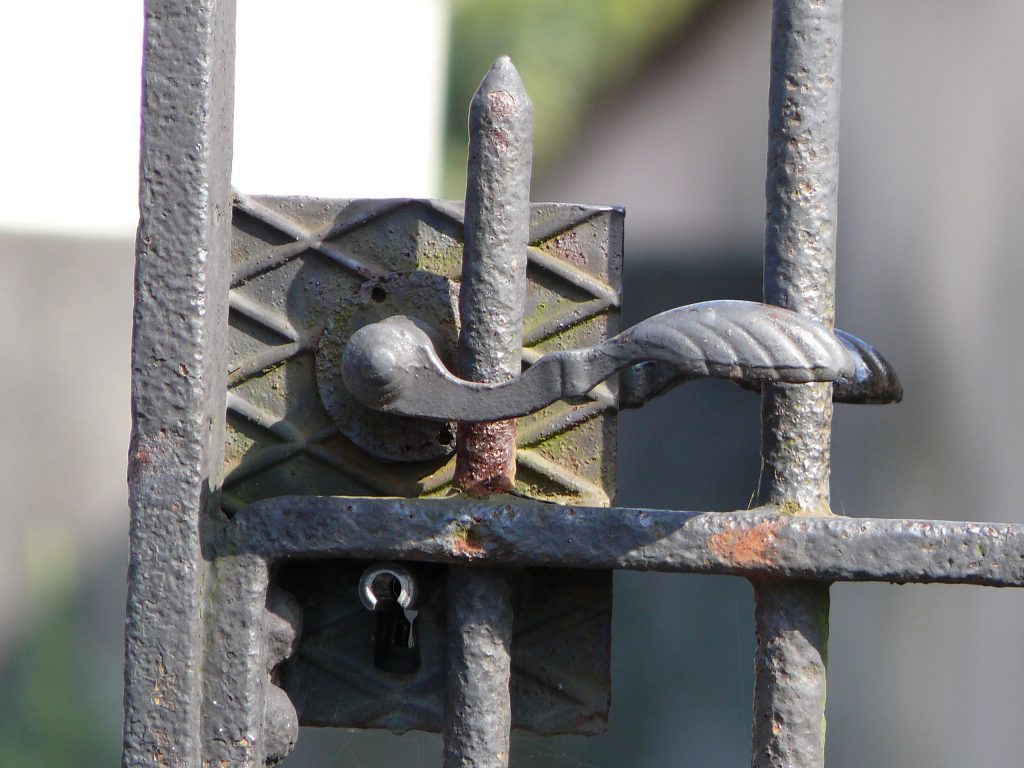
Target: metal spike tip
503,77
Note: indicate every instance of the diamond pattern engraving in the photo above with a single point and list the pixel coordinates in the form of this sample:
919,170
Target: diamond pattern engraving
295,259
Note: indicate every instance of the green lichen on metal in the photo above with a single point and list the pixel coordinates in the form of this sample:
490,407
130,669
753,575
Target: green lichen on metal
304,267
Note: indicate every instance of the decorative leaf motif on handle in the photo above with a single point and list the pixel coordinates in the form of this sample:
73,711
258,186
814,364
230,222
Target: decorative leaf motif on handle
874,380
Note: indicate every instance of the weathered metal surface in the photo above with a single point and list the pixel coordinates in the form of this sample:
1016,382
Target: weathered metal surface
308,272
394,366
477,700
791,620
555,688
178,366
302,264
800,236
433,301
252,628
761,542
235,669
493,289
214,657
874,379
282,626
799,273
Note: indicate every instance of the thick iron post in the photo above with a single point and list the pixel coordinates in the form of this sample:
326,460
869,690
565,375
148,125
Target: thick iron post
477,718
178,369
791,618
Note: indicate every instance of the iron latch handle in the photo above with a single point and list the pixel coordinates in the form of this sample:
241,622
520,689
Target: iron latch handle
393,366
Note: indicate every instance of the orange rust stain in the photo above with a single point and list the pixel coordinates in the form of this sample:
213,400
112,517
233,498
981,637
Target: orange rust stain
142,456
499,139
468,545
486,461
747,547
147,450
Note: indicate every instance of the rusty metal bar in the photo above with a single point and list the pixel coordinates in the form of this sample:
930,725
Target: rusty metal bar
492,294
791,619
478,709
178,370
759,543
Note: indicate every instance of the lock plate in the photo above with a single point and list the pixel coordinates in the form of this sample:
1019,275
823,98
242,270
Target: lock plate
297,261
297,264
560,646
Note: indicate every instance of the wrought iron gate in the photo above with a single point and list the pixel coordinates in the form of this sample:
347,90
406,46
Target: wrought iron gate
275,368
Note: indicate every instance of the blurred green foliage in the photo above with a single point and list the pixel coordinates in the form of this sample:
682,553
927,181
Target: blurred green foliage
50,714
568,53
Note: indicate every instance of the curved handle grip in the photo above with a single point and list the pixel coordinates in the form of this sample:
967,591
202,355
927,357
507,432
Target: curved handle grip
392,366
874,380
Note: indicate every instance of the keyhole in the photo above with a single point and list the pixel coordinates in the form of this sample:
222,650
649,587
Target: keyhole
392,592
395,647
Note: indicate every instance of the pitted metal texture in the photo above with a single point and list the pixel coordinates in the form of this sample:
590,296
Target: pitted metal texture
760,543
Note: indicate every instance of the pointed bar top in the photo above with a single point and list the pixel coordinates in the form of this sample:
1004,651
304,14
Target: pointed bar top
501,94
497,226
502,74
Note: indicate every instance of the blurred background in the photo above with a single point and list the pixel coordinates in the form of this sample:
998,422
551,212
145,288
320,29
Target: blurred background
659,105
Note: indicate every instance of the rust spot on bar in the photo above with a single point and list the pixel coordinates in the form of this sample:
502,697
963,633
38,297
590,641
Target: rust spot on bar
148,450
747,547
486,461
142,456
502,103
466,541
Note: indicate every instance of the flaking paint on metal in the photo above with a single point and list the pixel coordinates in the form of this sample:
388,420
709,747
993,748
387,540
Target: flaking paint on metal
746,548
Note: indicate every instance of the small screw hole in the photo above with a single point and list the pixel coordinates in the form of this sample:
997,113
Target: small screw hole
378,294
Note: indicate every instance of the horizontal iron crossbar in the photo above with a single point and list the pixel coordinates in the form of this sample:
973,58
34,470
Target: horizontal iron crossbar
758,543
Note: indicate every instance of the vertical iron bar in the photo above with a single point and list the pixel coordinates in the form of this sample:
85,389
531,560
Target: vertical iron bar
791,618
178,369
477,704
493,289
477,718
